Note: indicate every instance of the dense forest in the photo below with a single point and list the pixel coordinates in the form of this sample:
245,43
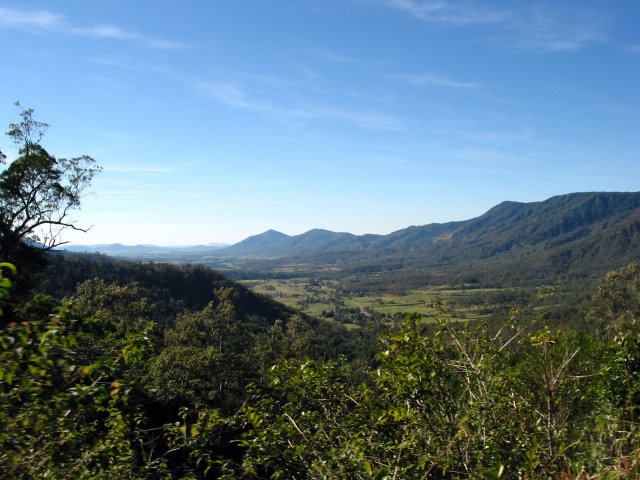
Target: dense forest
114,369
109,382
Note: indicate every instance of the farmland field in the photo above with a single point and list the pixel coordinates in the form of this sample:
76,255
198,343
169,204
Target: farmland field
325,299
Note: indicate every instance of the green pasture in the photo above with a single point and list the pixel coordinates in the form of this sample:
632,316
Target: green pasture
314,298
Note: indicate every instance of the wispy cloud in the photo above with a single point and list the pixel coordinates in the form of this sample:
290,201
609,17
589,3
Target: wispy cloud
10,18
533,28
545,29
42,21
116,33
438,81
448,12
234,96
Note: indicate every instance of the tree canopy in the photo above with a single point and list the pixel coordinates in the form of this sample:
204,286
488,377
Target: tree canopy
38,191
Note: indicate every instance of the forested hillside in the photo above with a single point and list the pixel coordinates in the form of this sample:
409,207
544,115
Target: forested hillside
93,387
177,289
568,237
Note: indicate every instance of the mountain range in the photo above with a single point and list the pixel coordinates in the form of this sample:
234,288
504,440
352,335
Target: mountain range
574,235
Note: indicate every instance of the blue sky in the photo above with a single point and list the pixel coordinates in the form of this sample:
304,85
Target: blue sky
216,120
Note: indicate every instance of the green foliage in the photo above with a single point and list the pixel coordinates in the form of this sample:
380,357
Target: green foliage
449,403
290,341
92,388
113,322
616,303
62,418
305,424
205,357
170,288
5,282
67,413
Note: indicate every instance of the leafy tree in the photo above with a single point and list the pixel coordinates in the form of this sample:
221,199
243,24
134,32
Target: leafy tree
282,342
111,316
616,312
206,357
65,416
616,303
38,192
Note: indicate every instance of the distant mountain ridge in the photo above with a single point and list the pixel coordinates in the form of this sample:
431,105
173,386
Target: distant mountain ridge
554,221
276,244
573,235
576,235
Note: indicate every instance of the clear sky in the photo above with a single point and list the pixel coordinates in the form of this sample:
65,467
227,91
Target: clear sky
216,120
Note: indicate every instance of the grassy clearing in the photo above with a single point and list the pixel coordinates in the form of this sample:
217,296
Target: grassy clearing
321,298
